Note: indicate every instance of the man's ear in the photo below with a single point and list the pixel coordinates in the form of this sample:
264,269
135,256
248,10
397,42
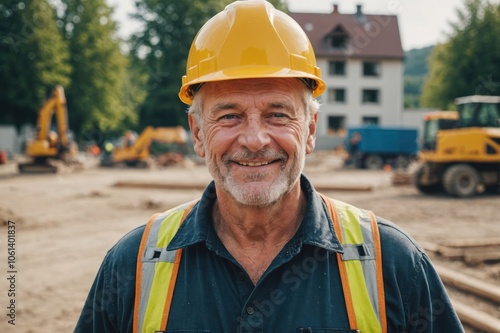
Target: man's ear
311,137
198,144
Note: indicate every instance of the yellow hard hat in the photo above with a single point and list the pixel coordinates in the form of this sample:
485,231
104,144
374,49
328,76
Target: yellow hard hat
250,39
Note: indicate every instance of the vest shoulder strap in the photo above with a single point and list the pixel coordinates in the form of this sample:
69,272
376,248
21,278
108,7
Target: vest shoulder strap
155,265
360,265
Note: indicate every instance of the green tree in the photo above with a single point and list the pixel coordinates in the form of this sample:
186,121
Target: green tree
33,59
100,98
469,62
161,50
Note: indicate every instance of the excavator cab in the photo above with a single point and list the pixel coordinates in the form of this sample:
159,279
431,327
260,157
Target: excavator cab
478,111
434,122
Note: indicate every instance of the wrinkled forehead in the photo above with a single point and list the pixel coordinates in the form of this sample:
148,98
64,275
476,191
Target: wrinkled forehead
291,87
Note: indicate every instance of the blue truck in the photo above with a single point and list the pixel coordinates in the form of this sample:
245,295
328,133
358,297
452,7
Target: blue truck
373,147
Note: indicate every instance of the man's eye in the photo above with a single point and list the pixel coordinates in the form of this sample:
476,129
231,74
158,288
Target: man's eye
228,117
279,115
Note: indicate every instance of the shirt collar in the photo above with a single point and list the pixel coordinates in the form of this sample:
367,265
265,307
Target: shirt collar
316,228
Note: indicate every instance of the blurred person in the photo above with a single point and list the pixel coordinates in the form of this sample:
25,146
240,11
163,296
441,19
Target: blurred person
53,139
354,157
129,139
261,250
108,147
94,150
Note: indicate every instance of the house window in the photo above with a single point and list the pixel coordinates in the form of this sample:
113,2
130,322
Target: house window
336,125
336,68
338,38
369,120
370,96
336,95
371,68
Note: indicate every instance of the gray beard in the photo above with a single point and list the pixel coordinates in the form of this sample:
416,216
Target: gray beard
249,194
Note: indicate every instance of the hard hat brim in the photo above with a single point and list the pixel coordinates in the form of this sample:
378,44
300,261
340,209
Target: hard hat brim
250,72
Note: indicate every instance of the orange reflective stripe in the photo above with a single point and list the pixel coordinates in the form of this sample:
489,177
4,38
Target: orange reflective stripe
138,273
351,314
170,294
173,279
380,273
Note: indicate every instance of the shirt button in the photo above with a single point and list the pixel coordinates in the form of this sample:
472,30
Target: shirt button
250,310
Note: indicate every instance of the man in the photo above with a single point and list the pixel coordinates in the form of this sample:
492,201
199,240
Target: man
353,147
262,251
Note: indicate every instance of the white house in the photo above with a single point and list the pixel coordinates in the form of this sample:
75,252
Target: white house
361,59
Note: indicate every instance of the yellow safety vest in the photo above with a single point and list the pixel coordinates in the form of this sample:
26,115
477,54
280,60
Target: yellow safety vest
362,280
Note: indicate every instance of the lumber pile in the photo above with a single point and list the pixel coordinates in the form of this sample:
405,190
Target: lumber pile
470,251
401,177
470,313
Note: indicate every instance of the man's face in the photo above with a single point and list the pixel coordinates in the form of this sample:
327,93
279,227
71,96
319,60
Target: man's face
254,137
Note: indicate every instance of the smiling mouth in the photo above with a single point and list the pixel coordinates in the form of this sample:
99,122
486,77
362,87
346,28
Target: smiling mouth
254,164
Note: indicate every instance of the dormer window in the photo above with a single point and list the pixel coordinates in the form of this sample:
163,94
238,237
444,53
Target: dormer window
338,38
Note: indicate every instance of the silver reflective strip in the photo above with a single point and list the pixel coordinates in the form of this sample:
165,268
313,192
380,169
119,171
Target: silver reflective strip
369,266
155,254
366,227
155,228
148,268
370,273
358,252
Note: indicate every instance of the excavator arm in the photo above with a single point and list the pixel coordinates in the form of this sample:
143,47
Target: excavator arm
170,134
56,104
139,152
62,116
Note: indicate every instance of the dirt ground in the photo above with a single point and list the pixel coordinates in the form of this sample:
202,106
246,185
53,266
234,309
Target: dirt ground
65,223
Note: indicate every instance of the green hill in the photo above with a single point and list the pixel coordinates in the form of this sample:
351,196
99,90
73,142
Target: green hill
415,71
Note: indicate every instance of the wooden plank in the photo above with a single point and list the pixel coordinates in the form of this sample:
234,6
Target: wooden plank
473,242
475,318
451,253
429,247
357,188
469,284
447,252
176,186
201,186
480,257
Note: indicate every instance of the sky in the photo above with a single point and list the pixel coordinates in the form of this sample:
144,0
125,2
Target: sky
421,22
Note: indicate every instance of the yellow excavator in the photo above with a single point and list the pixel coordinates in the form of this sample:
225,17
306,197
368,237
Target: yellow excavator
137,152
464,159
49,149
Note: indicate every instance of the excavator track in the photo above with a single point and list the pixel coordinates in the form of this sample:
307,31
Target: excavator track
49,166
38,168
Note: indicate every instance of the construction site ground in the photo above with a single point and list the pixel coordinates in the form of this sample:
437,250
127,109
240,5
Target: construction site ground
65,223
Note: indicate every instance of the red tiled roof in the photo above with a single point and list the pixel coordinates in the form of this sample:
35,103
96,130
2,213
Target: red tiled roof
369,36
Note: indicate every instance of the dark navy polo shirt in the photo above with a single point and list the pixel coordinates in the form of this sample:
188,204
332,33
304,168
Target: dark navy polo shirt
299,292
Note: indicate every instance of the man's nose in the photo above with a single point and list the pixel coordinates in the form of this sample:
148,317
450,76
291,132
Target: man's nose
254,134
